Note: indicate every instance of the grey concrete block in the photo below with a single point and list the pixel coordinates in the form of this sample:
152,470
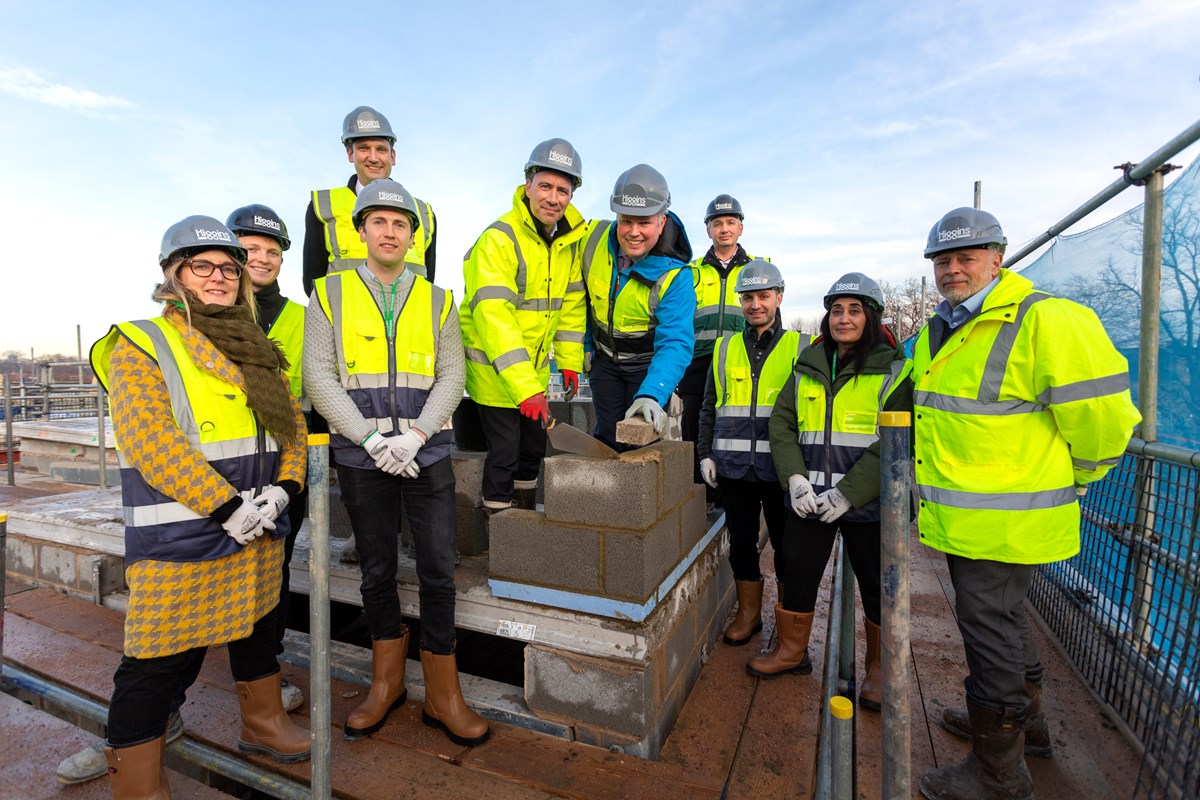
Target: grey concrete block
693,522
680,648
58,565
610,740
618,491
472,532
83,472
678,470
636,432
596,692
635,563
578,413
528,548
468,476
21,556
112,573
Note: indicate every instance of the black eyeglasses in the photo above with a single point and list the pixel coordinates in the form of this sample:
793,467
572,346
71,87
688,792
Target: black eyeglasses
203,269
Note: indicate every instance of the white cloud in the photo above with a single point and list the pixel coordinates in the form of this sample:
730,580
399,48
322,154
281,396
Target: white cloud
23,82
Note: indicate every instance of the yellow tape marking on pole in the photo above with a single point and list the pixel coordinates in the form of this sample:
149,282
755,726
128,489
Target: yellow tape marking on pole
318,439
895,419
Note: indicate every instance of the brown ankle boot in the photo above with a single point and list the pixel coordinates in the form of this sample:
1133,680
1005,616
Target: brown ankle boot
748,620
136,773
1037,733
791,654
444,704
266,727
388,658
870,691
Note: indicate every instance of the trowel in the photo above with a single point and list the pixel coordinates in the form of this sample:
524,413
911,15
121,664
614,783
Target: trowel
568,439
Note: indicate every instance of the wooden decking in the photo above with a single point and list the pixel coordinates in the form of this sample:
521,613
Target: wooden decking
737,737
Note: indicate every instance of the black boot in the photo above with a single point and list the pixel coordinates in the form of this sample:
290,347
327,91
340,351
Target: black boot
993,770
1037,733
526,498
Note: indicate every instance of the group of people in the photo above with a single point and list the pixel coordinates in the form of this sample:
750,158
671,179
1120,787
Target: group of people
1019,401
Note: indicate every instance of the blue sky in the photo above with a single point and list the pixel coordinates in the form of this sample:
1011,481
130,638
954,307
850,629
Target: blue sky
844,129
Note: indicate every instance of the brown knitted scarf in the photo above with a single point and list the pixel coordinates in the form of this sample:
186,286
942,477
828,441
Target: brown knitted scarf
233,331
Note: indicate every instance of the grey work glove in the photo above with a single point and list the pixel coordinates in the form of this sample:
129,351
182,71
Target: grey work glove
272,501
708,471
801,496
246,523
831,505
411,471
650,410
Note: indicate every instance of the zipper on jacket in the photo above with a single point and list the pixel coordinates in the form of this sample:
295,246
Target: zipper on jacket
260,439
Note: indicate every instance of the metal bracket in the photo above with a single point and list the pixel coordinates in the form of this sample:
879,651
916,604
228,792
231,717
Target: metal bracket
1128,166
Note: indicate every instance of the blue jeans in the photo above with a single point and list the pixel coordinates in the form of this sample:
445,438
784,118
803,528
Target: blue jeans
373,500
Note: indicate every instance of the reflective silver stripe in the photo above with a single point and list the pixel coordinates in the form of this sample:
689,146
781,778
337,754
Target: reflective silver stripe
706,311
997,360
540,304
166,513
325,212
492,293
384,424
404,380
575,286
333,293
722,358
233,448
506,360
507,230
894,370
478,356
819,477
1086,390
1010,501
589,247
437,303
426,214
838,438
181,406
1091,465
656,292
965,405
575,337
734,411
705,335
732,445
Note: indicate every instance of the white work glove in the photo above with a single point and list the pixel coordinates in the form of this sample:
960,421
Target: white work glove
246,523
411,471
1080,492
587,362
831,504
393,453
650,410
708,471
803,500
272,501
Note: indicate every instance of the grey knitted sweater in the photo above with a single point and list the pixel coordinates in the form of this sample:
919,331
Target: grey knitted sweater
323,386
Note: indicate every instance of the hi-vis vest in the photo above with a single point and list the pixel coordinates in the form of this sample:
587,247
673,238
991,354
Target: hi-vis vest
388,378
214,417
718,306
741,438
623,327
288,330
1022,402
833,435
524,297
335,209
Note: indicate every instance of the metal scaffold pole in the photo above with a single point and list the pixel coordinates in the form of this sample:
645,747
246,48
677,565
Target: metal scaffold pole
895,468
318,613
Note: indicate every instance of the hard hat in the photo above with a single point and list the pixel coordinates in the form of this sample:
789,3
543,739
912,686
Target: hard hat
199,232
557,155
723,205
259,220
641,191
385,193
365,122
964,227
758,274
855,284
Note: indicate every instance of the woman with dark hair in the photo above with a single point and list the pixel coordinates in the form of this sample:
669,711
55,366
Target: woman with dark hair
211,447
824,444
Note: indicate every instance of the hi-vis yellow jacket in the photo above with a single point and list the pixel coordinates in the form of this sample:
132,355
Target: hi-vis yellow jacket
523,297
335,209
1024,402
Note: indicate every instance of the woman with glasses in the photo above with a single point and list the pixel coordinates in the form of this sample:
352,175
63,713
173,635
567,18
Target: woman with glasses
211,444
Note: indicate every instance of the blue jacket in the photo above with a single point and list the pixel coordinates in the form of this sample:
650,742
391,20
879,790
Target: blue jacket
674,336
